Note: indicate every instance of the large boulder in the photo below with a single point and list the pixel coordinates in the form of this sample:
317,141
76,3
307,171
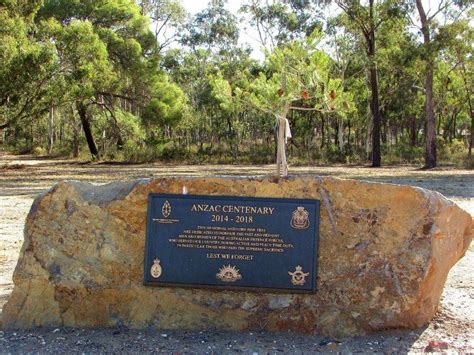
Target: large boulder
384,255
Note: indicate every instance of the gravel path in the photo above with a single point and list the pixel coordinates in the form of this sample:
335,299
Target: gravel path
22,178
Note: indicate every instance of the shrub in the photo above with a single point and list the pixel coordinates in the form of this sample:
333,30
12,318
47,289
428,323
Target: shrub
165,151
453,152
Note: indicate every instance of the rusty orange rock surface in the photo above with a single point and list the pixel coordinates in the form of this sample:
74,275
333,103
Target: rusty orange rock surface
384,255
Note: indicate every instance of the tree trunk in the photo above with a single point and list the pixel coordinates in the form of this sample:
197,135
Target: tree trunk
368,138
86,127
471,109
384,130
32,135
471,141
323,129
349,133
430,134
75,134
61,127
455,116
75,142
50,129
413,129
340,135
430,152
375,106
282,166
104,145
118,135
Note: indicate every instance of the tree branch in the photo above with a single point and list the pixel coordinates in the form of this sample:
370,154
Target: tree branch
117,96
307,109
158,30
441,7
349,13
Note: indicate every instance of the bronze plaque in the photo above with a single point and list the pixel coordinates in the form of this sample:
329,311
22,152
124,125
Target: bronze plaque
246,243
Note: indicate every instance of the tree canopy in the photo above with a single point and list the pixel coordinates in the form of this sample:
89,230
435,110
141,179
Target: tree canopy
376,81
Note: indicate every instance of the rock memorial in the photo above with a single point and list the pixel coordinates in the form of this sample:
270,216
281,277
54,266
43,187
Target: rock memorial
384,255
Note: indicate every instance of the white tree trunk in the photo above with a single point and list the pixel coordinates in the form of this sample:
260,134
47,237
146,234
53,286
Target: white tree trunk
340,134
282,165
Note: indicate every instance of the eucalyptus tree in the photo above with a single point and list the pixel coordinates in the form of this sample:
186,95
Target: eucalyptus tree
432,31
400,101
453,82
275,19
167,20
211,60
365,20
214,29
167,104
462,50
102,47
26,66
278,22
347,66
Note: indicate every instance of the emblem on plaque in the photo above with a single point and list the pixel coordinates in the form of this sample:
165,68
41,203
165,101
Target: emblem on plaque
166,209
298,277
300,218
228,274
155,269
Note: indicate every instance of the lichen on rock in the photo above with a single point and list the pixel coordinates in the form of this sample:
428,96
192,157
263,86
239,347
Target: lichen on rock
384,255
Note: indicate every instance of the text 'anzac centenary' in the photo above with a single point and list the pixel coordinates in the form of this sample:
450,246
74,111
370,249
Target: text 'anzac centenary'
232,241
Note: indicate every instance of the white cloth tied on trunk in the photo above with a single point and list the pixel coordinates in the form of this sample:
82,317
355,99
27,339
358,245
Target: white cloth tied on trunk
287,130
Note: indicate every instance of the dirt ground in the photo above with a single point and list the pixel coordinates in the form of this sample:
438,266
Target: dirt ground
22,178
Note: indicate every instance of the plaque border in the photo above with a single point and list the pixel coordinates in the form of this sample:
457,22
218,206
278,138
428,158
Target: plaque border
211,287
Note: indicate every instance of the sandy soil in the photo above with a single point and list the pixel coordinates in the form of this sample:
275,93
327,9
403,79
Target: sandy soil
22,178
